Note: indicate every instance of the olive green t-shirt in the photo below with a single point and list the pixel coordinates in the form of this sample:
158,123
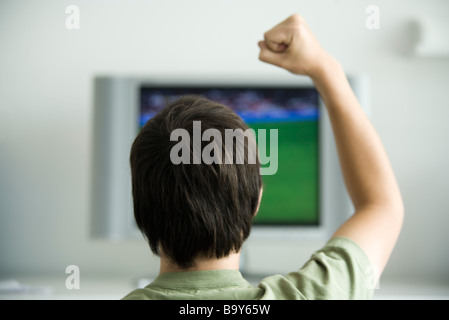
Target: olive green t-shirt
340,270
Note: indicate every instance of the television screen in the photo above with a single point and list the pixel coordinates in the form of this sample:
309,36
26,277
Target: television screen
291,194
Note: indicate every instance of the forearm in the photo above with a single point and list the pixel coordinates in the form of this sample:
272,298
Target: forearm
368,175
365,166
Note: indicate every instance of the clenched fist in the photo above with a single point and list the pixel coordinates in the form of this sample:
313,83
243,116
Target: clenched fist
292,46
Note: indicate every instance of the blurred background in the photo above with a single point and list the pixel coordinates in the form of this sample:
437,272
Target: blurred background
46,73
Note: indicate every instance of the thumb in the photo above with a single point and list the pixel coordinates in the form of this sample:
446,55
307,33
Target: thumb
269,56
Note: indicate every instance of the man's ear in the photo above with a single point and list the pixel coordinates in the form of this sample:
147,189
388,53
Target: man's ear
260,199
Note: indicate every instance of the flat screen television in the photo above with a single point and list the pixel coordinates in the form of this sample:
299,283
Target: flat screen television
304,197
291,190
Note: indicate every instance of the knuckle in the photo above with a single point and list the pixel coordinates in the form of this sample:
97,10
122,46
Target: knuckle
297,22
266,35
297,18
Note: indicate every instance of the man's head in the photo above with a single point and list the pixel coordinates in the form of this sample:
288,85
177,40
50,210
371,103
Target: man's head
192,211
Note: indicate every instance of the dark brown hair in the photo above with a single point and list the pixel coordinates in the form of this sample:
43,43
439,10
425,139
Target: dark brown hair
192,210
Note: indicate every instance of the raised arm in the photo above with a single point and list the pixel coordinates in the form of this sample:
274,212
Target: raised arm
368,175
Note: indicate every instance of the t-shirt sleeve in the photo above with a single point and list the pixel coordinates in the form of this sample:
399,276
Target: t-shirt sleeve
340,270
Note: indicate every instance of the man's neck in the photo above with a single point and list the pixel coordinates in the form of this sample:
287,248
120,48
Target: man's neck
230,262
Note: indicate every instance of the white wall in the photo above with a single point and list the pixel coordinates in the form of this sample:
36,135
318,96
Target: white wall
46,115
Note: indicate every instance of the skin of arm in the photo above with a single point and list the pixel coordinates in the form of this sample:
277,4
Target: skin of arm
369,178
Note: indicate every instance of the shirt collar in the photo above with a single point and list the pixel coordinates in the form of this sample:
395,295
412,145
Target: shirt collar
201,279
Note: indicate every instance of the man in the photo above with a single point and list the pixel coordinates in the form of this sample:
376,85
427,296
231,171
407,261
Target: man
197,216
